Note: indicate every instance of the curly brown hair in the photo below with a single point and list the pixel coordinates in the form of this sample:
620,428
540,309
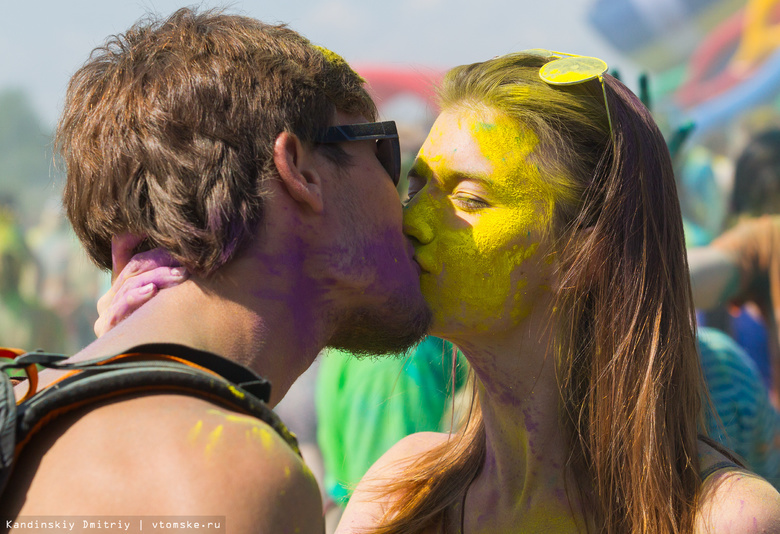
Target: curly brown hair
168,130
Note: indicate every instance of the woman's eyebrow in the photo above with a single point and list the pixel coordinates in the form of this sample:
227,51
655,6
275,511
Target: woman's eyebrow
421,169
482,180
478,177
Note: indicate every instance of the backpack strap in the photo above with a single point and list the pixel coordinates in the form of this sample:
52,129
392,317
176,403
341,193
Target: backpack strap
146,368
7,428
205,361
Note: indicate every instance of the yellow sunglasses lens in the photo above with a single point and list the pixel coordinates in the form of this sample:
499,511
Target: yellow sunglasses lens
572,70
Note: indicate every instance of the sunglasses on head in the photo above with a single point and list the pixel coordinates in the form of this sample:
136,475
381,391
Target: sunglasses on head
571,69
384,133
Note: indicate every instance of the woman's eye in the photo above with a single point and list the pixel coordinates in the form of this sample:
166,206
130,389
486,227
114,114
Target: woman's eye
469,201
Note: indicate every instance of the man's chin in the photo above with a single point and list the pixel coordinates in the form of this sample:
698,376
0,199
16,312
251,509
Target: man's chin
367,332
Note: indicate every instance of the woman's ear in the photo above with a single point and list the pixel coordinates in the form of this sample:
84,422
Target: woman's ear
297,167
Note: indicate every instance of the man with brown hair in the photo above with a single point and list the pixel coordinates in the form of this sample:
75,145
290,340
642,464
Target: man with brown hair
247,154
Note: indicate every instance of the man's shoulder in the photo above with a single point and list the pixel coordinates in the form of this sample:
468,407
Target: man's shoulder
168,454
183,432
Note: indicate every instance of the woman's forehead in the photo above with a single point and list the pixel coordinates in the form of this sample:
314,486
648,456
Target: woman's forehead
477,141
490,129
451,146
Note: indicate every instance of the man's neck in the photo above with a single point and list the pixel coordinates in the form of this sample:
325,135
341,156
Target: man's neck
247,326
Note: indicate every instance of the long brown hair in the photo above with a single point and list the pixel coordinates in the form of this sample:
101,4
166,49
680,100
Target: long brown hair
628,370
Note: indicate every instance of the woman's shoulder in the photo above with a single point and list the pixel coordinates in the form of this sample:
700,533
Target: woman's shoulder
370,500
405,451
415,444
732,499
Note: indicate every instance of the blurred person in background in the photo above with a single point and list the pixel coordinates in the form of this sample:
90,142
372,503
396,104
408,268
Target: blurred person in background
737,370
70,283
738,269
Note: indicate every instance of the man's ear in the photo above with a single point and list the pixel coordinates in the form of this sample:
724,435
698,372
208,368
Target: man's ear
122,248
298,170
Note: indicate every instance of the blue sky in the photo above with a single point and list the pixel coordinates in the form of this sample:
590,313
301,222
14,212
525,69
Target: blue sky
43,42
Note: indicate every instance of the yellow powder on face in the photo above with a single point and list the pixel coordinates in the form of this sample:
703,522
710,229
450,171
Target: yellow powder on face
476,257
508,147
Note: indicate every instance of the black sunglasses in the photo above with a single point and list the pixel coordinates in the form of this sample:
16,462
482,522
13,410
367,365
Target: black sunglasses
385,134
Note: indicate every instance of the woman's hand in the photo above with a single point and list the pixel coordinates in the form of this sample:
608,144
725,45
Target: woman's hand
139,279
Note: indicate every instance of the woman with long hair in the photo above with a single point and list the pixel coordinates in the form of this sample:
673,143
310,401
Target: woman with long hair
546,223
545,220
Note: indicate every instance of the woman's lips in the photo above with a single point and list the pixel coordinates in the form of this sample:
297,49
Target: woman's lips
419,266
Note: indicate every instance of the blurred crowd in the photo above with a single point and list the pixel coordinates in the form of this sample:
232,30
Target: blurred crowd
48,288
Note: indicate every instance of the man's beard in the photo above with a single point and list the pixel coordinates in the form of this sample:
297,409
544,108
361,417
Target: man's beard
390,329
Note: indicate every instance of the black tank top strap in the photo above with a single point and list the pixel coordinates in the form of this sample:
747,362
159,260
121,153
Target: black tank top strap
717,466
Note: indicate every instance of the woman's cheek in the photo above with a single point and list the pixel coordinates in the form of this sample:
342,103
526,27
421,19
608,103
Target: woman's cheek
477,285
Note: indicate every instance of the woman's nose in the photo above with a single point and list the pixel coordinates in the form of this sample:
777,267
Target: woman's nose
417,219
